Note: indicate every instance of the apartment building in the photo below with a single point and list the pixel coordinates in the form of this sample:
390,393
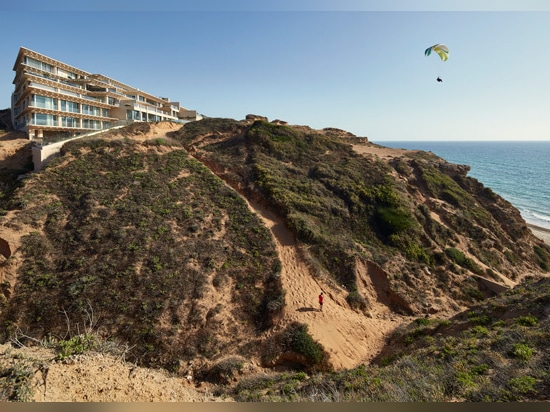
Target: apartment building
53,99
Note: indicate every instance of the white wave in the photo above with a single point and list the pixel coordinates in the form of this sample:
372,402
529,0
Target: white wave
541,217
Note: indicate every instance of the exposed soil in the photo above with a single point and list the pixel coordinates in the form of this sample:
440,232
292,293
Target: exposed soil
350,337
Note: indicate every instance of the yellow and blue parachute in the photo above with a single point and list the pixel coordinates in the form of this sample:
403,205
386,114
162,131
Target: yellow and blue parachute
440,49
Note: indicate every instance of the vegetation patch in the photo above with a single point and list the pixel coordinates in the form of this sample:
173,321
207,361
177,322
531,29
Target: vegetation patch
342,206
171,260
142,231
15,380
222,372
460,258
480,355
295,348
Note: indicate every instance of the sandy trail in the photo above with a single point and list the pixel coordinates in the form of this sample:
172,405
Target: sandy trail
350,337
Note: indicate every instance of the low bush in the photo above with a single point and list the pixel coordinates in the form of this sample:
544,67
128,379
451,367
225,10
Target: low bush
297,339
222,372
15,381
528,320
522,351
522,384
356,300
76,345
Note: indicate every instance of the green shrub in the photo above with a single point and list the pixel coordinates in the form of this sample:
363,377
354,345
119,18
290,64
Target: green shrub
76,345
412,250
528,320
522,351
461,259
297,339
16,382
522,384
465,379
455,255
480,369
542,257
480,330
356,301
422,321
479,319
393,220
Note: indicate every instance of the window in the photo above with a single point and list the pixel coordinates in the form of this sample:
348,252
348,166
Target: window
90,124
43,102
91,110
41,119
66,74
39,65
72,107
69,121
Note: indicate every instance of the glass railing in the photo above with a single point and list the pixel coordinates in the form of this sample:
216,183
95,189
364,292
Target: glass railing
68,83
42,86
93,99
44,106
91,112
68,93
42,122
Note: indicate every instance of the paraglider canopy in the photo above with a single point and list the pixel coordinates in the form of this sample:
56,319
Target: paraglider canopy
441,50
443,53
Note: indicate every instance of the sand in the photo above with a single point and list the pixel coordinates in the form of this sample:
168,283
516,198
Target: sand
541,232
350,337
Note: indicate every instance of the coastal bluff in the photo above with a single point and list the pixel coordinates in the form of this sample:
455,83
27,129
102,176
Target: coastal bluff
209,243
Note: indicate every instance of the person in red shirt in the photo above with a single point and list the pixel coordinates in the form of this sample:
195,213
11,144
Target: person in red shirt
321,302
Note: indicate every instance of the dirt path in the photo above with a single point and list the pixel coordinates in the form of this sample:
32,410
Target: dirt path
350,337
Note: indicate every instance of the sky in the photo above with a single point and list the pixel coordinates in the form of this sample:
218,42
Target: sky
356,65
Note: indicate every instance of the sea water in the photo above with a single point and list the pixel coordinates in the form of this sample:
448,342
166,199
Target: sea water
517,171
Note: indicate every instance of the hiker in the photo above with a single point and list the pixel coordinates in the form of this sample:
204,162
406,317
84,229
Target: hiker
321,302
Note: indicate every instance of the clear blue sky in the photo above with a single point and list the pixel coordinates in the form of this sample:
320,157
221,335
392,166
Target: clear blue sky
354,65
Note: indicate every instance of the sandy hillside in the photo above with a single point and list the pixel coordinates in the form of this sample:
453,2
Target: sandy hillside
100,378
15,149
350,337
90,377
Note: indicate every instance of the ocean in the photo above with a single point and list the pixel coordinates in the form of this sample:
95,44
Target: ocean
517,171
